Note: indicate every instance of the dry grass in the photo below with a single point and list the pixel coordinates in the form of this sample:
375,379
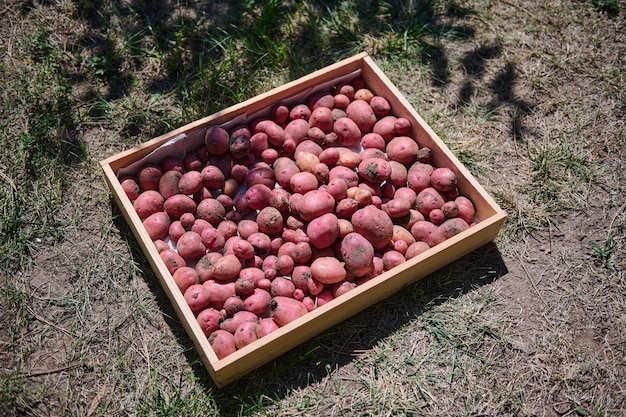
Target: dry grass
529,95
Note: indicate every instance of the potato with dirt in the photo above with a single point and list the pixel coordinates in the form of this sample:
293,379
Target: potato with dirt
373,224
358,254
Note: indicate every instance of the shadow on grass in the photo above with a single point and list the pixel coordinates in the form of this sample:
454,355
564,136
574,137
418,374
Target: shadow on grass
312,361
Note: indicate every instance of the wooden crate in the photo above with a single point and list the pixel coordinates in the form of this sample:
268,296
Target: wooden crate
243,361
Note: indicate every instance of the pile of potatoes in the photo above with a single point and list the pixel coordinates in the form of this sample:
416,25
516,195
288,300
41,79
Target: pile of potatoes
266,221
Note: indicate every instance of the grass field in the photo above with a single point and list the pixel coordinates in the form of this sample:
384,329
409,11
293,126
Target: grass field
529,96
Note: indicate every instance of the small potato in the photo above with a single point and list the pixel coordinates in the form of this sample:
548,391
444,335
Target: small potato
418,176
211,210
209,320
357,253
374,224
376,170
306,160
443,179
223,343
427,200
148,177
303,182
258,301
402,149
450,228
347,131
362,114
231,324
247,333
190,246
178,204
391,259
226,268
168,183
212,177
190,182
467,211
300,111
130,186
216,140
148,202
282,286
259,143
184,277
327,270
157,225
380,106
270,221
197,297
286,309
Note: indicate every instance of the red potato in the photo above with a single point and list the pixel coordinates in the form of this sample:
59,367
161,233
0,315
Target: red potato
259,143
327,270
450,209
300,111
258,196
310,146
270,155
314,287
427,200
280,200
400,246
399,174
187,220
268,325
171,163
347,131
345,227
176,230
197,297
243,249
302,253
385,127
415,249
363,93
309,303
300,276
317,135
344,173
231,324
362,114
275,133
406,193
233,305
239,172
342,287
270,221
329,156
211,210
373,140
203,153
245,285
227,228
348,158
443,179
397,207
450,228
402,126
436,216
190,182
391,259
374,224
419,176
157,225
247,333
380,106
346,89
247,227
176,205
373,153
306,160
296,130
161,245
190,246
358,254
148,177
303,182
323,230
402,149
260,174
239,146
284,169
209,320
284,264
346,208
337,188
258,301
192,162
226,268
324,297
424,231
222,343
172,260
341,101
280,113
314,204
467,211
321,172
216,140
147,203
205,268
284,310
168,183
322,118
401,233
185,277
261,243
266,283
376,170
283,287
130,187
